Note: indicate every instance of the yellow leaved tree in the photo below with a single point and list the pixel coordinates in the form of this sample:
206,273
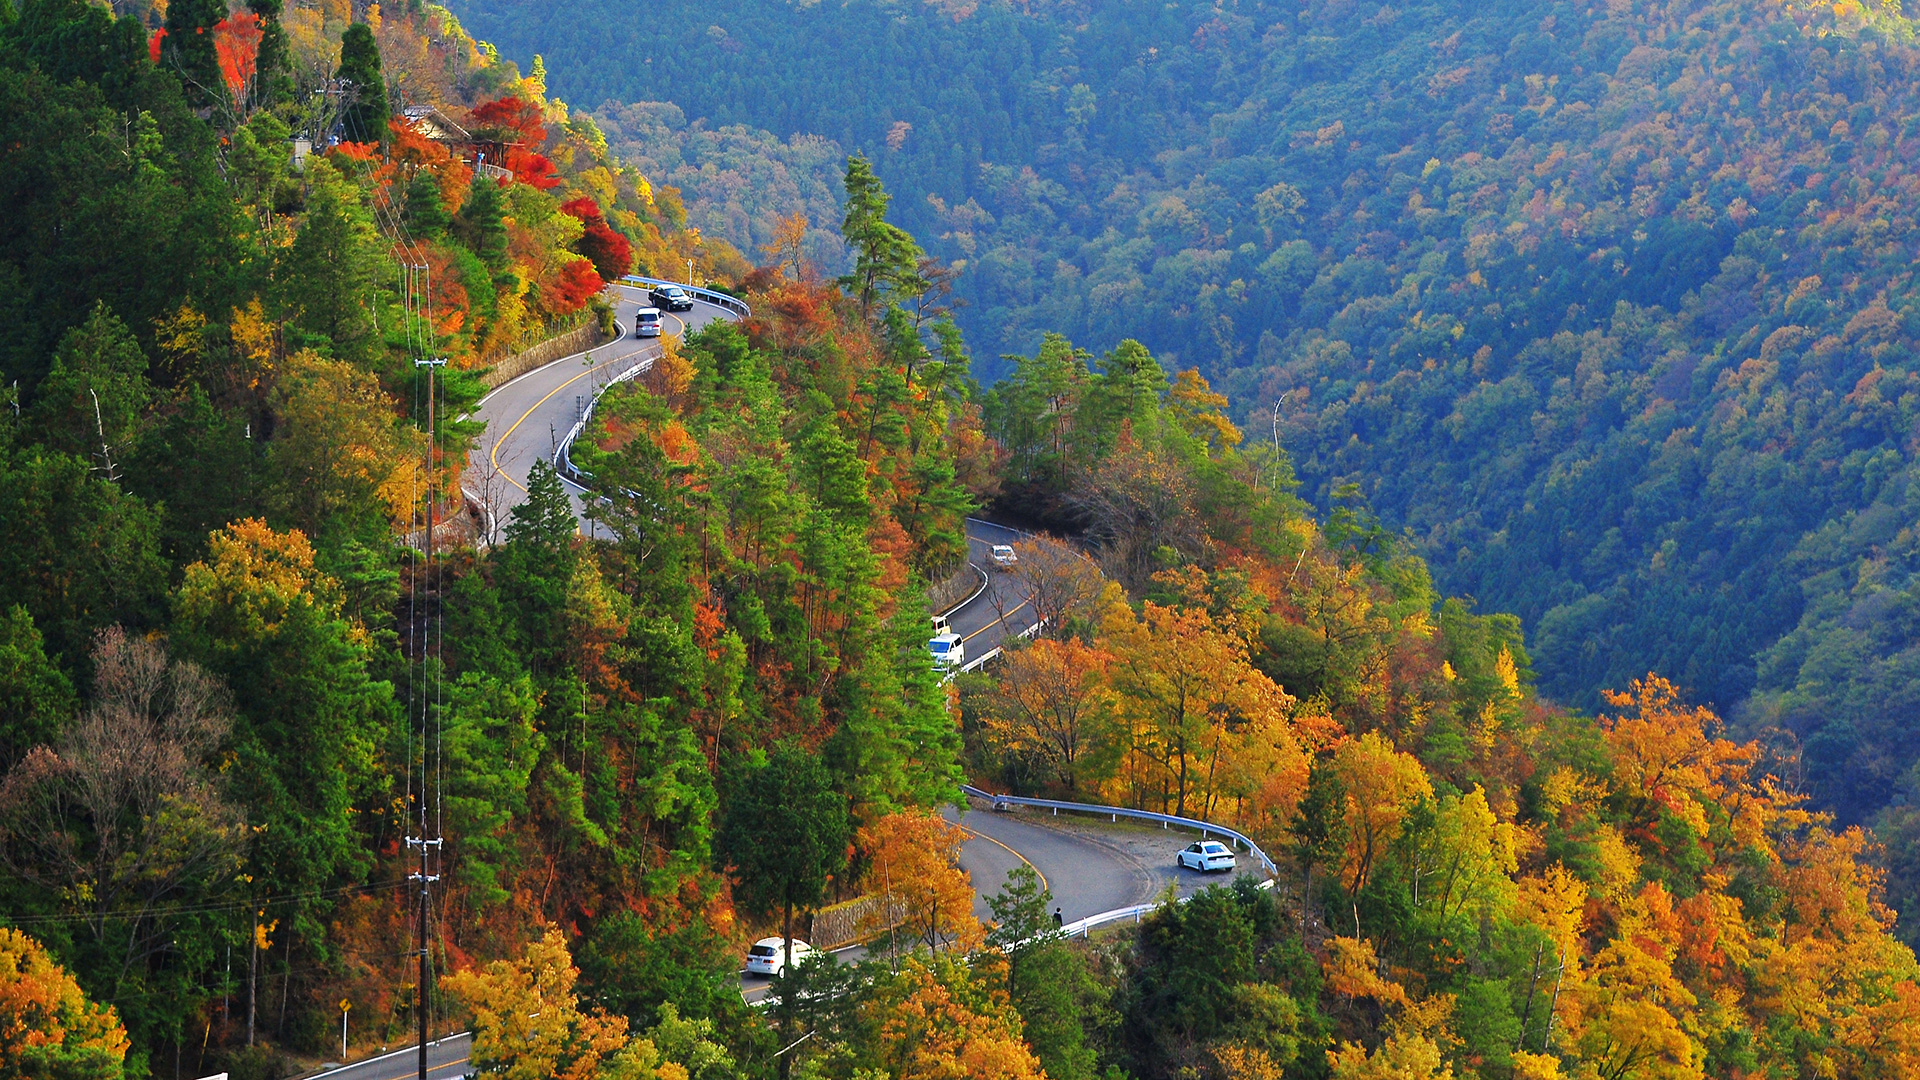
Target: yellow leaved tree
941,1021
915,864
1184,691
1382,785
528,1024
47,1025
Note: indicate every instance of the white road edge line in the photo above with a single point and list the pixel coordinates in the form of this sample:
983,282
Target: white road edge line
414,1049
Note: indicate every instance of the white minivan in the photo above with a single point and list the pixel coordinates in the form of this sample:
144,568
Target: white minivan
646,322
768,956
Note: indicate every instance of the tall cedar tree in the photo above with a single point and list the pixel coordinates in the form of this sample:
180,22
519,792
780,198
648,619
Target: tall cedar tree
188,49
275,60
481,222
366,119
783,835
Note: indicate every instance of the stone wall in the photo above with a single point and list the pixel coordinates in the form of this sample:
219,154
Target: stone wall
853,922
942,595
573,341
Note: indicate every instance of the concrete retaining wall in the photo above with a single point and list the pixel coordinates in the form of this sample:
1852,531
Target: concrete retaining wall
942,595
854,921
573,341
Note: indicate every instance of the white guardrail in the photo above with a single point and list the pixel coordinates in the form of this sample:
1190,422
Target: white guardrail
718,299
980,661
563,454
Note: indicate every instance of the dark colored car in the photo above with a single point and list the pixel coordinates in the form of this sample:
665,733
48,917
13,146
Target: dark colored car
671,298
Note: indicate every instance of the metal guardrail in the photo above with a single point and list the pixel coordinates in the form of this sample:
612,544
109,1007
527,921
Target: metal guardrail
980,661
1081,927
1205,828
718,299
563,454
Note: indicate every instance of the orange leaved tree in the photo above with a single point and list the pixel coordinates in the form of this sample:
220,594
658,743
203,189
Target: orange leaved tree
915,864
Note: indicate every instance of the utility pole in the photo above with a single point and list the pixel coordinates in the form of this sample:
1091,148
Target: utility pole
423,877
432,432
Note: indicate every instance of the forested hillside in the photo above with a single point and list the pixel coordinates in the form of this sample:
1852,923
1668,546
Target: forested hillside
214,448
237,691
1609,305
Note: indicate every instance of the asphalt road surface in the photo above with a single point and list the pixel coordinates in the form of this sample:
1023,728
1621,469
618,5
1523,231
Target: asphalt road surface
1086,874
446,1060
1001,608
527,417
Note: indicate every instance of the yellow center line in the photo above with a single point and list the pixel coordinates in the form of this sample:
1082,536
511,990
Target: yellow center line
997,622
493,456
1010,851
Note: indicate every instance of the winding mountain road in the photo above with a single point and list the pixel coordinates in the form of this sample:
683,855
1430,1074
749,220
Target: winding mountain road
525,420
527,417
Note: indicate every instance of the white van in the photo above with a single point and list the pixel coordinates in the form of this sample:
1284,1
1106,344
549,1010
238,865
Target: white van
646,322
949,652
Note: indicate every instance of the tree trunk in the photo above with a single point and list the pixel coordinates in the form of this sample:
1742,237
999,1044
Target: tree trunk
253,973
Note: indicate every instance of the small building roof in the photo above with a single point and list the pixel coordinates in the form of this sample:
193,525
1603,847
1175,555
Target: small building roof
435,124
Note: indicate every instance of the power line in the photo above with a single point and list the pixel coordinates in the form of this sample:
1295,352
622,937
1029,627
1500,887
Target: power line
421,620
202,909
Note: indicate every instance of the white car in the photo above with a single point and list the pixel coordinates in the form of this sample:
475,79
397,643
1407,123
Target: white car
646,322
949,652
1003,556
768,956
1207,855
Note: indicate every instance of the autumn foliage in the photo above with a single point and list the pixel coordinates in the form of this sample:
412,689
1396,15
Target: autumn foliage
236,41
1485,886
610,252
47,1025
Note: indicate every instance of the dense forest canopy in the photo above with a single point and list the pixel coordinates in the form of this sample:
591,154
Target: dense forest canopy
1609,305
233,686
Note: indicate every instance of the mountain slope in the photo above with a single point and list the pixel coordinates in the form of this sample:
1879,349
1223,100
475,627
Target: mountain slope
1610,306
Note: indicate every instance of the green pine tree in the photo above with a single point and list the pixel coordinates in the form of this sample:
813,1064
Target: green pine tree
274,63
36,699
427,216
97,390
481,223
365,119
545,520
886,259
327,275
188,49
783,835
